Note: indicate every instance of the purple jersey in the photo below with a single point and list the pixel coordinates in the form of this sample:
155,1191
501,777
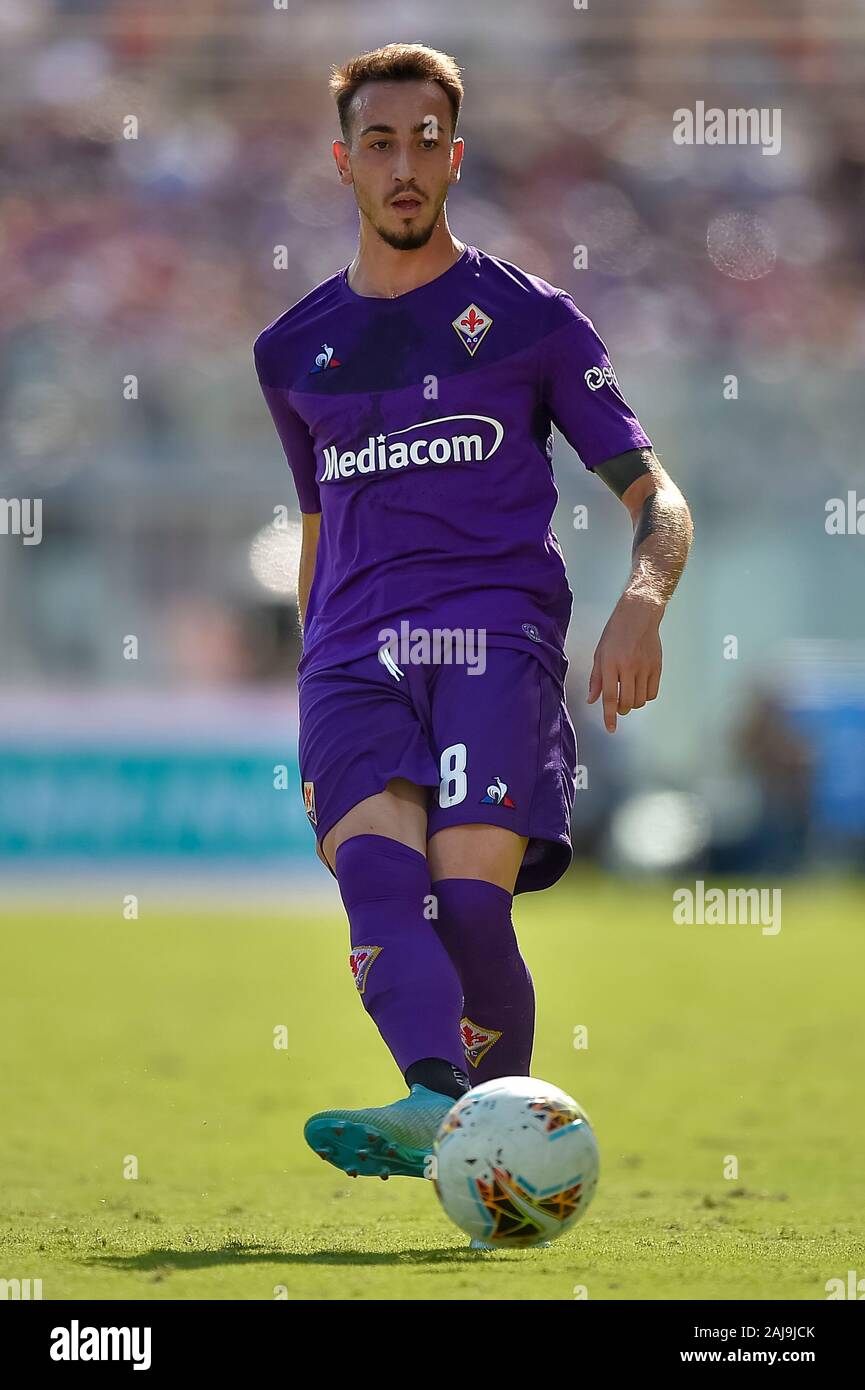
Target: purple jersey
420,428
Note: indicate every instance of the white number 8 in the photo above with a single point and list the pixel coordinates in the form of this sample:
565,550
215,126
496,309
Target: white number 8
452,766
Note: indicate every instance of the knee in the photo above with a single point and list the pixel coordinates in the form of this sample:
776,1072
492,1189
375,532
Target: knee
466,903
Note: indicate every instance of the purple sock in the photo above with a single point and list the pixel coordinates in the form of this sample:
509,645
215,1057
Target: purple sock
404,977
498,1023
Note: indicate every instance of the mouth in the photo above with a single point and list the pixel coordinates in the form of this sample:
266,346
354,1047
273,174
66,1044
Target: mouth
407,205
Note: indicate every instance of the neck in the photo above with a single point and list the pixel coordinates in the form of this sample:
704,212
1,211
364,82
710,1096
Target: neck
381,272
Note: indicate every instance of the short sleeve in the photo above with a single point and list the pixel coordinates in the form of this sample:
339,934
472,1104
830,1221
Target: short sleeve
581,391
297,442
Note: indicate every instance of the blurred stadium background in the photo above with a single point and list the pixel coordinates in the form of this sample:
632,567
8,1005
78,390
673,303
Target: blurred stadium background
154,257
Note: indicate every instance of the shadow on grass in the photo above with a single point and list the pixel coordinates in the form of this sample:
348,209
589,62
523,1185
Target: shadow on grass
169,1261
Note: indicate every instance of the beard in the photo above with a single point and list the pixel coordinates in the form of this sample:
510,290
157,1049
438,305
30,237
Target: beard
410,237
409,240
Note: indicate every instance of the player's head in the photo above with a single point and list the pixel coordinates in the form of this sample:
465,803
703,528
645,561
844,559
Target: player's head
398,110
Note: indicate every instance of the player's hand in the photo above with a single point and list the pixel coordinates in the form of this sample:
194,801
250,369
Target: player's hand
627,665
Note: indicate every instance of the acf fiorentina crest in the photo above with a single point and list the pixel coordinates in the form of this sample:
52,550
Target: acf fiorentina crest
360,961
476,1041
472,326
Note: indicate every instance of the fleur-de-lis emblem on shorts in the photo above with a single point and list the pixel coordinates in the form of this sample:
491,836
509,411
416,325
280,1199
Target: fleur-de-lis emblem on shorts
472,326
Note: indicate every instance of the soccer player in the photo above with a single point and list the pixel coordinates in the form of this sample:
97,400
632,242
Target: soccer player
414,393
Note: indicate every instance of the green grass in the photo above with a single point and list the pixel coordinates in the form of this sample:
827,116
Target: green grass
155,1039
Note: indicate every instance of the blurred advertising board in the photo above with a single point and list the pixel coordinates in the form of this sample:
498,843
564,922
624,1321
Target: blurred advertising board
105,775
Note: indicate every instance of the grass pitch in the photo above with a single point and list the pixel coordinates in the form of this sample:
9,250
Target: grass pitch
153,1041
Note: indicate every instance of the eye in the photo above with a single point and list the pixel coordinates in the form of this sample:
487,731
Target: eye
429,144
379,145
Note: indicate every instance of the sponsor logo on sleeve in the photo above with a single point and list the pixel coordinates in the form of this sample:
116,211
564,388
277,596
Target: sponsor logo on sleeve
596,377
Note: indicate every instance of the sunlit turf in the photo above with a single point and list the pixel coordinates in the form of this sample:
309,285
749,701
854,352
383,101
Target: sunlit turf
152,1041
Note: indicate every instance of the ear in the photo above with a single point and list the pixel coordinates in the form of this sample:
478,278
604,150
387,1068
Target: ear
457,151
342,159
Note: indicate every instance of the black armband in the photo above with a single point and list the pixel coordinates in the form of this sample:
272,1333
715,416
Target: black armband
619,472
648,522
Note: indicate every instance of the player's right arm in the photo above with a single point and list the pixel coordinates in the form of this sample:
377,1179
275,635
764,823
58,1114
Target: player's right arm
308,551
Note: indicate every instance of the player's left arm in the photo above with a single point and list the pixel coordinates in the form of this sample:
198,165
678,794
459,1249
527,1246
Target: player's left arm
627,666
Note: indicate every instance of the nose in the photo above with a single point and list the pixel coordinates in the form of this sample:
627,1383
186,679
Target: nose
403,167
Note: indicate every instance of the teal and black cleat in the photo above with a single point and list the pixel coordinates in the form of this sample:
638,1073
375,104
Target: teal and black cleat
391,1141
477,1244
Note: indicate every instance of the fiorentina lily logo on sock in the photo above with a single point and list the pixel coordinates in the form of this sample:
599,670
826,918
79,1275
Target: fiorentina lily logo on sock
360,961
476,1041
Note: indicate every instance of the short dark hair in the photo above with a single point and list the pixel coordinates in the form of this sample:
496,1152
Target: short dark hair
396,62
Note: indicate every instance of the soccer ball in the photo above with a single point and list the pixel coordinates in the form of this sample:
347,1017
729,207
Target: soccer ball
516,1162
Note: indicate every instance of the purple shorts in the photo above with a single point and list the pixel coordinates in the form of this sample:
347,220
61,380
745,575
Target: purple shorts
496,747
